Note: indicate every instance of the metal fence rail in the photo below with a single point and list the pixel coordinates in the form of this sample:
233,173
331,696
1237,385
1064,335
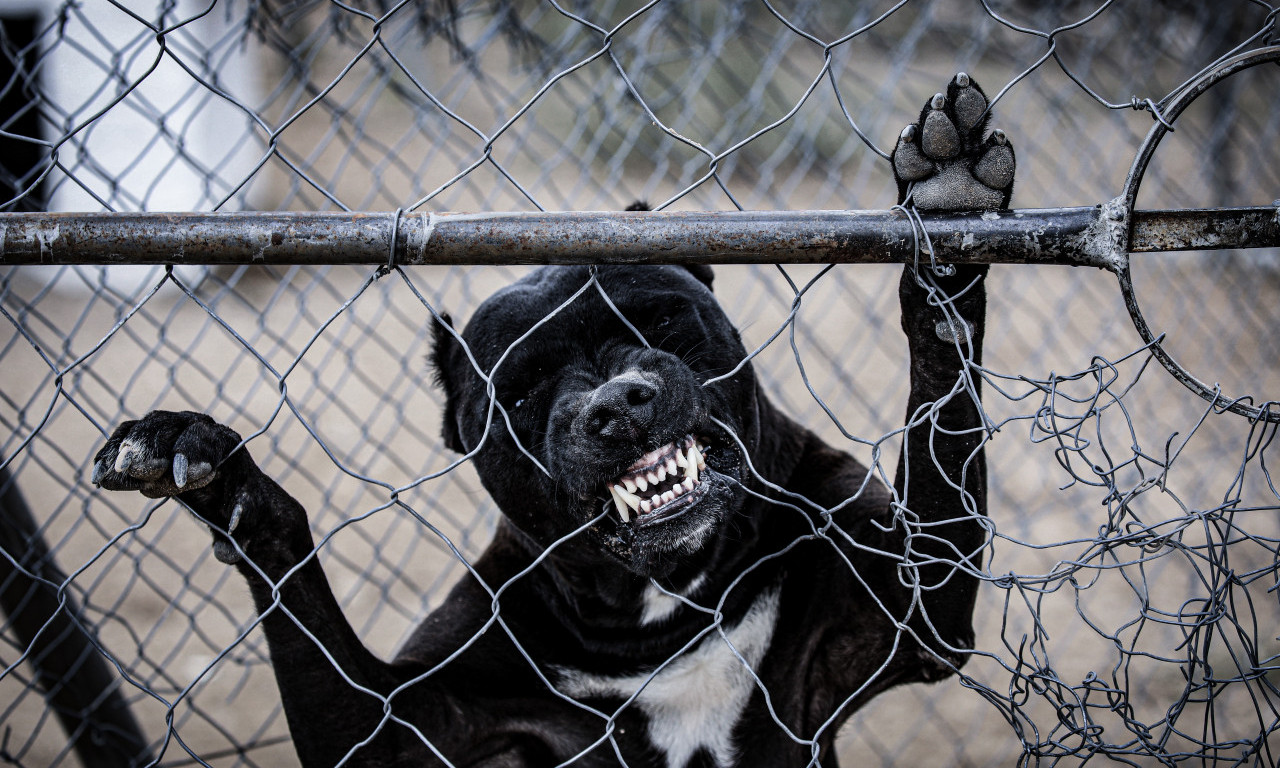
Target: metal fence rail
1070,237
1129,597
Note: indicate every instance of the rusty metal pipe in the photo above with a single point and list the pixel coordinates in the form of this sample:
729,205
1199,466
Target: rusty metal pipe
1072,236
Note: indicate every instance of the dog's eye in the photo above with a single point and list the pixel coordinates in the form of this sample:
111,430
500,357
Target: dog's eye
516,395
513,401
662,320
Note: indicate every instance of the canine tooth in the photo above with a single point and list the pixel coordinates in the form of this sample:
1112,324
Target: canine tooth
623,511
630,499
691,463
629,484
697,454
641,483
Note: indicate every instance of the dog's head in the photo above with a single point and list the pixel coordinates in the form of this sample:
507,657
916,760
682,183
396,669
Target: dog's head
607,405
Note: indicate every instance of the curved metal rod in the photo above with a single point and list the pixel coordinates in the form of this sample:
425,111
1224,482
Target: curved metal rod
1123,207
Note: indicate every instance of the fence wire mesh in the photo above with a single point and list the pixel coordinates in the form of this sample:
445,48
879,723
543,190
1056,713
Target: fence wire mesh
1129,601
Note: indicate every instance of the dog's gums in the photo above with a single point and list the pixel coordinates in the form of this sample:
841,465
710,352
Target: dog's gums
660,477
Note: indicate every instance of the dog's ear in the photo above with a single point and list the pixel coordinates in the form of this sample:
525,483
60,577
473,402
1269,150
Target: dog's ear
700,271
703,273
446,358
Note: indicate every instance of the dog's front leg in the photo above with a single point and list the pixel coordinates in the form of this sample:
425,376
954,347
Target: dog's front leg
320,664
945,162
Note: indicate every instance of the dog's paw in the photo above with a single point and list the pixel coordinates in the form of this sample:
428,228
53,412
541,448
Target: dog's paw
179,454
163,454
945,160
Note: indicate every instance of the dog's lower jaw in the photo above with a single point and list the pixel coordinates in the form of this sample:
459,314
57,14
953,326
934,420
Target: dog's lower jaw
675,536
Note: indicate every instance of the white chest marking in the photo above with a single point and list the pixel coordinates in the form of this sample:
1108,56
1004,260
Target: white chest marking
659,605
695,701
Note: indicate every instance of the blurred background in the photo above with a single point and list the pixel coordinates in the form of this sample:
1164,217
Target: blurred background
1131,605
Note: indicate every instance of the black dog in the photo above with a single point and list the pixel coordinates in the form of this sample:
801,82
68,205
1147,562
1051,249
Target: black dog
688,578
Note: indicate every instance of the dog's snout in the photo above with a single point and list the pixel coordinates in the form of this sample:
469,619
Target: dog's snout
621,408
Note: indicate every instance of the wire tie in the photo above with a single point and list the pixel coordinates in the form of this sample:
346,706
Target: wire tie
1149,105
387,268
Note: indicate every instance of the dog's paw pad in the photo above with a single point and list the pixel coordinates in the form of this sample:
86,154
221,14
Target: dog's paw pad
939,139
996,167
968,103
908,161
944,160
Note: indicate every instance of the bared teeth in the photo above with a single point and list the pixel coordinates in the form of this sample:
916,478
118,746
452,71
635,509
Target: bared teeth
639,490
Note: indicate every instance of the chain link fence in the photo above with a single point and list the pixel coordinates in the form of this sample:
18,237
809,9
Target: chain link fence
1129,608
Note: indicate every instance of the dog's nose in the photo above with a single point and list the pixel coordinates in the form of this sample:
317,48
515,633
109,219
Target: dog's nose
621,408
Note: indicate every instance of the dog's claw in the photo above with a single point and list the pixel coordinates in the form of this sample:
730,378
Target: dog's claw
124,458
224,549
180,469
